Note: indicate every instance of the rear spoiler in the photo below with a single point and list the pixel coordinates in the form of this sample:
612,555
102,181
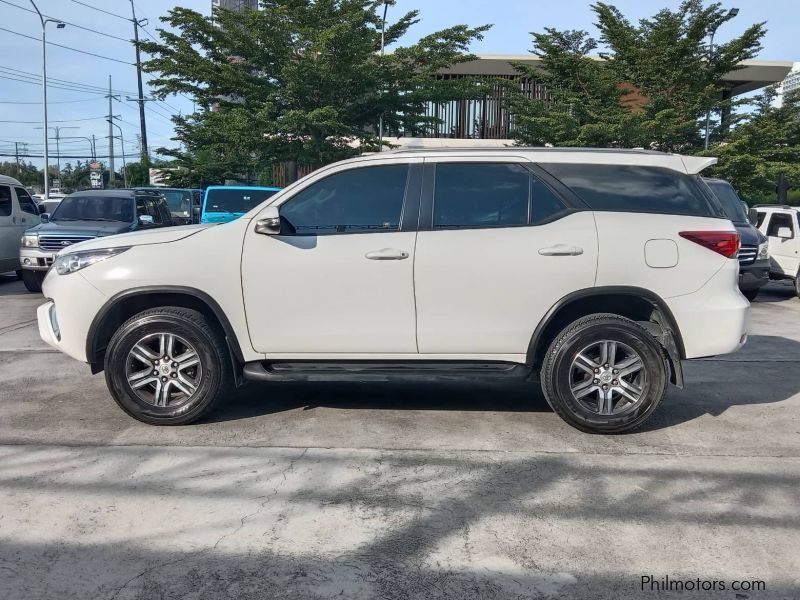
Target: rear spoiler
695,164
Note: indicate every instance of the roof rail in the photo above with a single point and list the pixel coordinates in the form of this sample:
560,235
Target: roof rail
518,149
773,206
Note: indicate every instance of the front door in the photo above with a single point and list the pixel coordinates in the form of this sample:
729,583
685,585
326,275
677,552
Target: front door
783,251
501,248
339,278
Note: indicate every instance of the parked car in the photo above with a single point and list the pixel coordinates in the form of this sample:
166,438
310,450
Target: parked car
594,271
753,251
84,216
183,203
18,211
779,224
224,203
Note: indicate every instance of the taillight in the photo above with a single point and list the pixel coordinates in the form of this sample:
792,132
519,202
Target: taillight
722,242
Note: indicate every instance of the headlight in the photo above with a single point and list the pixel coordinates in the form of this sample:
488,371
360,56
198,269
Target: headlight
65,264
29,241
763,251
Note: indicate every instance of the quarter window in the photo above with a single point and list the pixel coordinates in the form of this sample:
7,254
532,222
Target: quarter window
779,220
5,201
363,200
632,188
480,195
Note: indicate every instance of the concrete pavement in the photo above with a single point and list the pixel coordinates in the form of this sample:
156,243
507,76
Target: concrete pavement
386,491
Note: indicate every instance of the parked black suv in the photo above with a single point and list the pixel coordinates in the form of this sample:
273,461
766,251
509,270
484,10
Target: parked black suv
753,257
84,216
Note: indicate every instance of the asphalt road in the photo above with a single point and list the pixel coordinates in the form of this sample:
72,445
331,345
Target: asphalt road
398,491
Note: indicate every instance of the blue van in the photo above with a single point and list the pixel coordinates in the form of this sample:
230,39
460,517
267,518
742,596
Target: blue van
224,203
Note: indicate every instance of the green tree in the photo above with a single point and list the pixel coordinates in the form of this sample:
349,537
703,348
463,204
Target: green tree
763,146
297,80
661,70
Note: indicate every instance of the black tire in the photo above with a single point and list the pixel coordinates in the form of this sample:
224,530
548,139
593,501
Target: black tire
751,294
18,273
797,286
214,373
33,280
558,374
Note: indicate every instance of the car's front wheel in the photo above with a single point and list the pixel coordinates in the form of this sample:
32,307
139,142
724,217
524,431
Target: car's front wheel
33,280
167,366
604,374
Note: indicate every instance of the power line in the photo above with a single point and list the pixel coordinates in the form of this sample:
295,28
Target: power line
30,37
36,76
101,10
50,101
61,121
67,22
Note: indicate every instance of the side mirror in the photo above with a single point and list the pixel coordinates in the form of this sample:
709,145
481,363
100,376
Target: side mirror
752,216
269,222
784,233
146,220
45,217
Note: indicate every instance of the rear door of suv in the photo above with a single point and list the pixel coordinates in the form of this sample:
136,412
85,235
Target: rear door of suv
499,245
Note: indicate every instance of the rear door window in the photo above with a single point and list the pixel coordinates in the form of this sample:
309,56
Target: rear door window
779,220
633,188
470,195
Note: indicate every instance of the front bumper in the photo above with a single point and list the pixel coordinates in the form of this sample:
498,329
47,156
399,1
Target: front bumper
754,276
65,320
36,259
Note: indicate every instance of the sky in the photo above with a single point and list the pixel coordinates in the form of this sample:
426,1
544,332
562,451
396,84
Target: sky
82,113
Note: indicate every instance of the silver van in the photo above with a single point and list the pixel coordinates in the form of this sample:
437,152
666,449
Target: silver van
18,212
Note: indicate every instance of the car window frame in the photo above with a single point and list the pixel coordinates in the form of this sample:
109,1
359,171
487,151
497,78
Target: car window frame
409,210
10,200
17,190
571,202
792,224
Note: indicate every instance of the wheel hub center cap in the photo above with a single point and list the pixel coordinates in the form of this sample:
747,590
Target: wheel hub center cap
165,369
606,376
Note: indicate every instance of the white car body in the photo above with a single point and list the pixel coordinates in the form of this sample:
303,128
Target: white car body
784,250
479,294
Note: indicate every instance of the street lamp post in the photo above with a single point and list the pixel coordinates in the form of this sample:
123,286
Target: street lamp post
731,14
59,25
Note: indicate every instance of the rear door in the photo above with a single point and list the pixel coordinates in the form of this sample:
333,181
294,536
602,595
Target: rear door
783,251
497,247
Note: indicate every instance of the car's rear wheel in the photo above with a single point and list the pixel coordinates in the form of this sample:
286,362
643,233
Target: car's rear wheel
604,374
33,280
167,366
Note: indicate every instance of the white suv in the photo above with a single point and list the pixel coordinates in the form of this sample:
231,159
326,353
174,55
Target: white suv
597,271
780,224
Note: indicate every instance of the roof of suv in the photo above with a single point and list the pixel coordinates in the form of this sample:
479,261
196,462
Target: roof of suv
607,156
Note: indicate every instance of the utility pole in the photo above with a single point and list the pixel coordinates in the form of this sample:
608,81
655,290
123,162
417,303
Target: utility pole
16,157
111,182
141,100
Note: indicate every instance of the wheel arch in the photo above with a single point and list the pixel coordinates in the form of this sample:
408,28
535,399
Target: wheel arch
124,305
638,304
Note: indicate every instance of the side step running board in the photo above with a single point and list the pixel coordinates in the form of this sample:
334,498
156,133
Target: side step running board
355,371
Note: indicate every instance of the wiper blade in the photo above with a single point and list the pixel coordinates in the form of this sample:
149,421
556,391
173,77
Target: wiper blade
64,219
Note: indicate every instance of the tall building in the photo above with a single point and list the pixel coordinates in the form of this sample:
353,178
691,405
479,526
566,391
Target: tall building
239,5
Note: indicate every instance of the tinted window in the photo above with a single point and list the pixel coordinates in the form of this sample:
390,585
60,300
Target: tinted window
760,219
359,200
179,201
94,208
26,203
779,220
152,209
5,201
480,195
235,200
629,188
730,201
545,203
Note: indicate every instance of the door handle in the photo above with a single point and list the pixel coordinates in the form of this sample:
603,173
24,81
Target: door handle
561,250
387,254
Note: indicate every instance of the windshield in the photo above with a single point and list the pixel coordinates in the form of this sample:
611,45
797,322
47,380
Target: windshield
179,201
731,203
94,208
235,200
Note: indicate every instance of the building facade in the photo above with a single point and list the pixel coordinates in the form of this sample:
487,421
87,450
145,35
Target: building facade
239,5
